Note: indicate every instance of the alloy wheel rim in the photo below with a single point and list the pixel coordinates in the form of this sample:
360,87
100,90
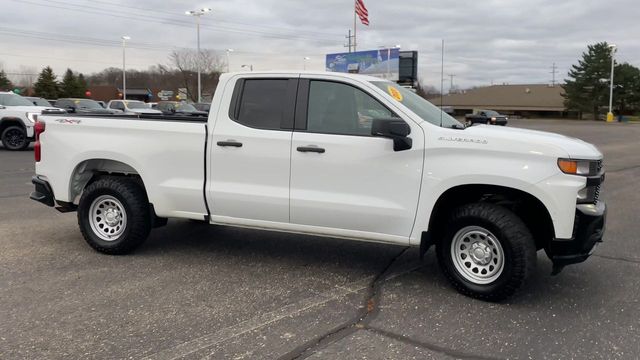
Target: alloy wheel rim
107,217
477,255
15,138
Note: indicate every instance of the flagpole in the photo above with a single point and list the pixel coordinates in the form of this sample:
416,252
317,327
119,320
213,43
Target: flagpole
355,42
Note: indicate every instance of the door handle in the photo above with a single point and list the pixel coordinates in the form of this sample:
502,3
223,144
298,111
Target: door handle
315,149
232,143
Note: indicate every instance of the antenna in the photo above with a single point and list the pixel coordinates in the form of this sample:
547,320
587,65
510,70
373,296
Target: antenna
441,82
553,74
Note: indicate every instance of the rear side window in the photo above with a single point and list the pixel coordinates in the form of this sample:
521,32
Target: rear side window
264,103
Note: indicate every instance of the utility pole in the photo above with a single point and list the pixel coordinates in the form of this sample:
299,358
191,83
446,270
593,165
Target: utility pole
451,76
124,70
553,74
349,40
197,14
354,26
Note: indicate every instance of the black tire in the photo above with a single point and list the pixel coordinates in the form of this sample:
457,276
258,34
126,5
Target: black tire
137,217
514,242
14,138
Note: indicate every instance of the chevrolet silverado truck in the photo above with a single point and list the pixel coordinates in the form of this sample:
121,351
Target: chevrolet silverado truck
336,155
17,119
488,117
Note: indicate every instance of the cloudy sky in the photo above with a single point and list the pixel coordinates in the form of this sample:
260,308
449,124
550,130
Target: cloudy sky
490,41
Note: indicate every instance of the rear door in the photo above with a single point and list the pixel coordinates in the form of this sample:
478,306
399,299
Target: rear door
344,179
251,150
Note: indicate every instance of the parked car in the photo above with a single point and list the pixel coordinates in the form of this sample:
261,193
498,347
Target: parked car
38,101
179,108
17,119
52,102
488,117
83,106
132,107
289,152
203,106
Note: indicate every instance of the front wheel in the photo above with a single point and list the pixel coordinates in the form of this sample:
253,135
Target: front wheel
114,215
487,252
14,138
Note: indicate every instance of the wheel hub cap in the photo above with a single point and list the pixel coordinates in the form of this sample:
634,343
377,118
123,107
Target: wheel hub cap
107,217
477,255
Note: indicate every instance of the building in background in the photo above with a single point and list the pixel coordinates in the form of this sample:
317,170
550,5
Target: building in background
526,100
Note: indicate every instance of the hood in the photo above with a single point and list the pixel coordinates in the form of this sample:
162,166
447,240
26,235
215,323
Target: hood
568,146
145,111
33,109
97,111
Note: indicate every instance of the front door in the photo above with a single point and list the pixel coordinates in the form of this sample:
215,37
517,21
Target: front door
342,177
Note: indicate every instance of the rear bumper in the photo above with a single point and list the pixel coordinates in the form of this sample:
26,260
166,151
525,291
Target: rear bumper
588,230
42,192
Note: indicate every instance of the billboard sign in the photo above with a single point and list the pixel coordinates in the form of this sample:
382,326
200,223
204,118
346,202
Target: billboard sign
383,63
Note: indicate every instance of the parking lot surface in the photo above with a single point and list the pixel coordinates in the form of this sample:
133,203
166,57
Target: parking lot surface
194,291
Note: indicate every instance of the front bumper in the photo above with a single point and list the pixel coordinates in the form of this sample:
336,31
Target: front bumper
588,231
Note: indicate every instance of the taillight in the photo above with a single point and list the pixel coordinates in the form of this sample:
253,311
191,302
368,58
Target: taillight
38,128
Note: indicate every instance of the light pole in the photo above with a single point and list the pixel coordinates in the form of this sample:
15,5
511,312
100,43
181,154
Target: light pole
389,58
249,66
304,62
197,14
610,113
228,59
124,69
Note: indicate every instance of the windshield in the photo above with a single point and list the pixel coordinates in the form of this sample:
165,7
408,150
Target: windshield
14,100
40,102
87,104
185,107
136,105
421,107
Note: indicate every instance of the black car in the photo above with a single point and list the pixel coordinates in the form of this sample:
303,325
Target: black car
84,106
38,101
179,108
488,117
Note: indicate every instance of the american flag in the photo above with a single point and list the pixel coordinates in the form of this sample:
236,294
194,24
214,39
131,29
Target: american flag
362,12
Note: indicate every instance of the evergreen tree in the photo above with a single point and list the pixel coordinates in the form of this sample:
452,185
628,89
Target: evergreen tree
81,85
5,83
587,89
69,85
626,88
46,86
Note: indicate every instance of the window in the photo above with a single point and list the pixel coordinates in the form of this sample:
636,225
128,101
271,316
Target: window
336,108
263,103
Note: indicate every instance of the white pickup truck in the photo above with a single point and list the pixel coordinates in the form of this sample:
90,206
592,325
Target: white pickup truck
335,155
17,118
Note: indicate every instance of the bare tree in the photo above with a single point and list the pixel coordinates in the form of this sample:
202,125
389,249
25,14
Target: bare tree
187,62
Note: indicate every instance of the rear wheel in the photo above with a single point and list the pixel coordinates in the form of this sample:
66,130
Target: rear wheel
15,138
114,215
487,252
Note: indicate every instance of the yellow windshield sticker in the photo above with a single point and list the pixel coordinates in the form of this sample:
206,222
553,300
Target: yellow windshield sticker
76,102
394,93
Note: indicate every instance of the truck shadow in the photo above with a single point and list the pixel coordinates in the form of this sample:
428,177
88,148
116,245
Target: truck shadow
188,241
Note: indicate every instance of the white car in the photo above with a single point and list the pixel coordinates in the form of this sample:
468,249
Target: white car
337,155
17,118
132,107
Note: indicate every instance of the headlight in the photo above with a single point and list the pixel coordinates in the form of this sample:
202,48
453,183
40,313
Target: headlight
579,167
493,119
33,117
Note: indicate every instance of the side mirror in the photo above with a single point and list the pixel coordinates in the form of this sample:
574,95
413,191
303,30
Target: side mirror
2,107
71,109
394,129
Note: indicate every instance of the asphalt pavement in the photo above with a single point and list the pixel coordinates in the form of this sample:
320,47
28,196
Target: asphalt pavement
194,291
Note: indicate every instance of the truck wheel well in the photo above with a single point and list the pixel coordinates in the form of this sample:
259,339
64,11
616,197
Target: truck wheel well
6,122
526,206
91,170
